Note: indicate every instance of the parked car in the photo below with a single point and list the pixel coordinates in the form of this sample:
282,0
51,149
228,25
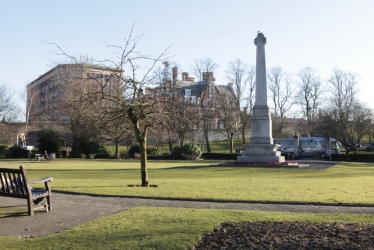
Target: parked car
309,146
370,146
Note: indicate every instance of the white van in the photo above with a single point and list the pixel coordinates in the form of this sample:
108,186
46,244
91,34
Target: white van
308,146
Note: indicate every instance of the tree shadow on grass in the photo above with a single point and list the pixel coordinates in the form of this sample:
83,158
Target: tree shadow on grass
190,167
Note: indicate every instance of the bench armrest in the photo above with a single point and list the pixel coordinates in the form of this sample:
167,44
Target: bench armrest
43,180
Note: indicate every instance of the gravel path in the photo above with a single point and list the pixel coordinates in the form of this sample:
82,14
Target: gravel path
71,210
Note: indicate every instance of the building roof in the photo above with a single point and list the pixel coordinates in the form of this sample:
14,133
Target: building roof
81,65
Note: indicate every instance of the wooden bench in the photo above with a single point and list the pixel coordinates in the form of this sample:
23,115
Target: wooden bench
14,183
41,156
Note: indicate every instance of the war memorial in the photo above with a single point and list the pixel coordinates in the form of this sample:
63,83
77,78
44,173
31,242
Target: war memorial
261,147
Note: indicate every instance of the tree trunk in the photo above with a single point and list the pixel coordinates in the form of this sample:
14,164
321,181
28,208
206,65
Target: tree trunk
143,162
208,150
243,136
116,151
181,139
156,143
170,142
231,144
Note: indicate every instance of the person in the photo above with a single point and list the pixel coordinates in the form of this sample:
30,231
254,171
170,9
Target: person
46,156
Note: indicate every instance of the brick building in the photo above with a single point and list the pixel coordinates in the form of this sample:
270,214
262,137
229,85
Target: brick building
205,94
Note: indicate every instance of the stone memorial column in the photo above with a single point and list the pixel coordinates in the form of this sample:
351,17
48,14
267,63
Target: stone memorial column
261,147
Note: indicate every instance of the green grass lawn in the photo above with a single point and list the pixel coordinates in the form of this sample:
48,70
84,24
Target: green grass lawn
172,228
344,183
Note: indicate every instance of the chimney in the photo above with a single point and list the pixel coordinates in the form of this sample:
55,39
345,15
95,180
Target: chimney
175,74
207,76
184,76
190,79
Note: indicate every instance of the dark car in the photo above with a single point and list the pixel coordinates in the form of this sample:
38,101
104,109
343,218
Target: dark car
370,147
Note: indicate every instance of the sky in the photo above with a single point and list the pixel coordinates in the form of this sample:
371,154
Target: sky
321,34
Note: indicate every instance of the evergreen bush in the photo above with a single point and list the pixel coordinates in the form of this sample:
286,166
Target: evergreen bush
134,149
17,152
188,150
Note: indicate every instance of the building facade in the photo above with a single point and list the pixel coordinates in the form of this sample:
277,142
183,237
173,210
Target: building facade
211,100
50,92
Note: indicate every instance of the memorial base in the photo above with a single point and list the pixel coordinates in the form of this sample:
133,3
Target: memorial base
261,153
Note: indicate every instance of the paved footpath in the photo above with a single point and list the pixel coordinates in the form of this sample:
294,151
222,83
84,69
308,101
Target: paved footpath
71,210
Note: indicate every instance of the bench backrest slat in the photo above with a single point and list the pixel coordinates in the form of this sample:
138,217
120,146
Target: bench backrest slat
13,181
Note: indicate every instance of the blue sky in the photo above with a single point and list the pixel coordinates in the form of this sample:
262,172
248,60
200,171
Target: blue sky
321,34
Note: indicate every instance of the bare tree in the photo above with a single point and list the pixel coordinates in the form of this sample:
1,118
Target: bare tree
229,117
30,97
182,118
349,120
281,91
309,94
135,103
243,80
72,109
203,66
202,69
113,129
251,78
8,103
9,111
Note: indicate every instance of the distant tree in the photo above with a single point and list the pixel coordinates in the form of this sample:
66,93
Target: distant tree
345,118
9,113
309,96
8,104
281,93
229,119
242,79
30,97
199,68
50,141
181,119
6,133
114,130
90,147
75,106
112,127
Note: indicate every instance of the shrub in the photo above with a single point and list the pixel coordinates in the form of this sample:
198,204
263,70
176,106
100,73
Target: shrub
64,153
123,154
17,152
50,141
87,146
137,155
134,149
3,151
103,153
153,151
187,151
